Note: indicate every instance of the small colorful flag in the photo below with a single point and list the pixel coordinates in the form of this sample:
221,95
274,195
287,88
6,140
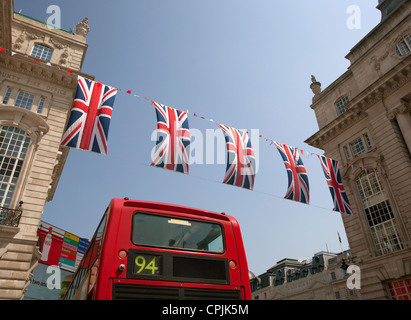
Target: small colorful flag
240,170
90,116
173,139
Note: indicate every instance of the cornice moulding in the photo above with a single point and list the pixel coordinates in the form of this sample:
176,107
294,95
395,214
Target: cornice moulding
357,108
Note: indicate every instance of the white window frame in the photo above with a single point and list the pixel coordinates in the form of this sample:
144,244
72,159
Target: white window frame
24,100
379,215
41,104
357,147
400,289
340,104
42,52
7,95
360,145
404,46
12,155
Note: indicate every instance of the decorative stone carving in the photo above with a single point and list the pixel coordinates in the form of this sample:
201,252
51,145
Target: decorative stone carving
402,108
64,56
315,85
20,40
82,28
33,36
377,61
402,115
57,44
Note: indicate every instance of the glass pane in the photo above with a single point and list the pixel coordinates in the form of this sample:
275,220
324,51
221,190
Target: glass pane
400,290
368,141
357,147
340,105
370,189
41,104
13,147
161,231
7,96
24,100
41,52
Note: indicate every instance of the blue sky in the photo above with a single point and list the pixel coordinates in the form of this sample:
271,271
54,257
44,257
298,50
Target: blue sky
246,64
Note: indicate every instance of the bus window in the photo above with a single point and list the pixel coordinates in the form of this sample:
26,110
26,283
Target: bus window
81,277
164,231
168,252
216,245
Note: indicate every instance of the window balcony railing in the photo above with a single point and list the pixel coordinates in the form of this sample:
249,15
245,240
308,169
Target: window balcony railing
10,217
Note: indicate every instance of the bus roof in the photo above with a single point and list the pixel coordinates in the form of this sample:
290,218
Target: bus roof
172,208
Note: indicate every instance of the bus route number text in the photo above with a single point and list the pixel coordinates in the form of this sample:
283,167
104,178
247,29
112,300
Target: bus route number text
146,265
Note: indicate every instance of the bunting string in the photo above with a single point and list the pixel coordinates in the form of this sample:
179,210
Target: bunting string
95,101
218,182
269,140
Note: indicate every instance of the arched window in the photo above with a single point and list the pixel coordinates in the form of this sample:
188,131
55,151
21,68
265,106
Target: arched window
41,52
13,148
379,214
404,46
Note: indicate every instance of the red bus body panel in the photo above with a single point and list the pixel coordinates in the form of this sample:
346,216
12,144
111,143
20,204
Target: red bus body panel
117,236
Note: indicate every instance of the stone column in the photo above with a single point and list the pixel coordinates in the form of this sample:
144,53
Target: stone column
403,117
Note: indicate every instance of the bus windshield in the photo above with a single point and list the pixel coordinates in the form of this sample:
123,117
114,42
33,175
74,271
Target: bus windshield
171,232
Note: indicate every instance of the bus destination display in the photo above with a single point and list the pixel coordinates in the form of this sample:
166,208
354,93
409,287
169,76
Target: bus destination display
146,264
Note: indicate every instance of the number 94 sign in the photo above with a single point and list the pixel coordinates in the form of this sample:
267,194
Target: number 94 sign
147,265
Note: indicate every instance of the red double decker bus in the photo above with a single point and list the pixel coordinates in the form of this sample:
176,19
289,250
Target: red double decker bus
148,250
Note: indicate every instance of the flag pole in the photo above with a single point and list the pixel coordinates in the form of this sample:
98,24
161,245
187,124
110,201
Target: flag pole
339,238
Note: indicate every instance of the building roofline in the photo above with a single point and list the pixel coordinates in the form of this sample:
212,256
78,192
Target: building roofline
376,31
329,88
42,22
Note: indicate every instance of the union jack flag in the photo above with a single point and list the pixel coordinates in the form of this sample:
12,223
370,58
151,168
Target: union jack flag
298,186
334,181
173,139
240,170
89,121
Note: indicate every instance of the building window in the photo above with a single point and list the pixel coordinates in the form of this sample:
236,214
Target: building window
379,215
41,105
340,105
400,290
357,147
24,100
404,46
347,153
337,295
42,52
350,293
367,141
7,96
13,148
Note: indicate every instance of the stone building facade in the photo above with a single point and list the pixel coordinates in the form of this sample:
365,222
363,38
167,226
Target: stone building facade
324,277
39,65
365,123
